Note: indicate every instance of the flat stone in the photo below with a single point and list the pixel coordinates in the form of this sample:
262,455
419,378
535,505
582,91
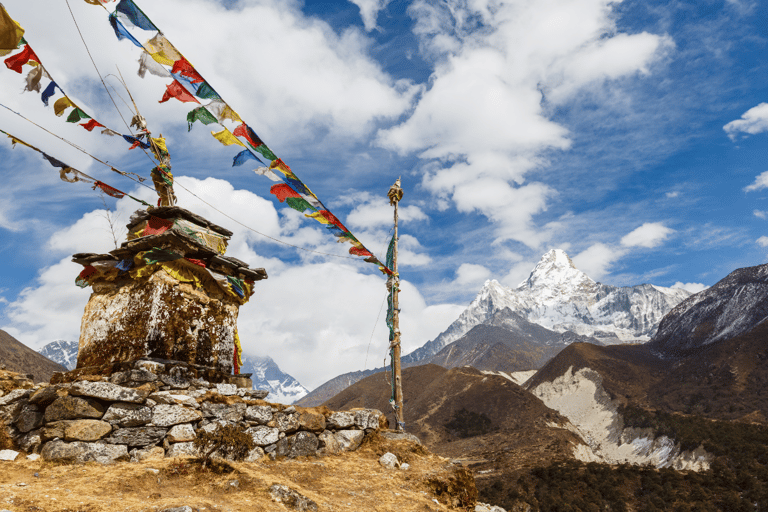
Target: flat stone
107,391
303,444
137,436
182,450
10,413
86,430
226,389
181,433
290,409
389,460
133,378
73,407
328,444
233,412
292,499
150,366
340,420
167,415
127,414
176,377
287,423
30,442
53,430
30,418
367,418
9,455
79,451
14,395
400,436
263,435
171,398
44,396
349,440
254,455
261,414
312,420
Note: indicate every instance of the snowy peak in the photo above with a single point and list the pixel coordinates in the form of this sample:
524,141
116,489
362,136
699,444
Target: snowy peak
63,352
556,273
268,376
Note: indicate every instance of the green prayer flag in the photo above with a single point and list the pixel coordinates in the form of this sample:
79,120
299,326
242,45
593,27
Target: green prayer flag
77,115
156,255
266,152
298,204
206,91
391,253
200,114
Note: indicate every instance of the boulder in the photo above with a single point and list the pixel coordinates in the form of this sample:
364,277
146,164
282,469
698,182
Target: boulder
261,414
73,407
254,455
52,430
349,440
303,444
86,430
328,444
30,418
263,435
44,396
78,451
367,418
30,442
181,433
150,366
287,423
167,415
182,450
137,436
400,436
14,395
226,389
233,412
127,414
389,460
171,398
340,420
311,420
107,391
177,377
292,499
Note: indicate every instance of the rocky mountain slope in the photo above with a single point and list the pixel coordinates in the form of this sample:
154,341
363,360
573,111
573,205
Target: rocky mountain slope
61,351
17,357
266,375
561,298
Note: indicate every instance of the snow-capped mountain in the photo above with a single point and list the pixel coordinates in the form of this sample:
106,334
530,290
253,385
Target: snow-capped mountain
61,351
562,298
266,375
734,305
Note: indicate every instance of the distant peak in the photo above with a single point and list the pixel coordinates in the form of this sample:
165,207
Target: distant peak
558,258
554,267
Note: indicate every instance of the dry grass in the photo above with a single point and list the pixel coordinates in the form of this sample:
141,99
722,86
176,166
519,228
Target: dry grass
344,483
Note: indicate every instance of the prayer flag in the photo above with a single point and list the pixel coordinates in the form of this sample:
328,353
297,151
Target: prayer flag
176,90
54,162
225,137
121,32
206,91
299,204
10,32
184,68
222,111
90,125
135,142
61,105
162,51
33,79
135,15
256,143
110,191
200,114
15,62
269,173
283,191
48,92
359,251
326,217
244,155
147,63
77,115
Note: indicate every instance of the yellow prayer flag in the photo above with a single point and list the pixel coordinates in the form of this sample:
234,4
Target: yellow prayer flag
228,113
160,142
318,217
61,105
10,32
227,138
15,141
162,51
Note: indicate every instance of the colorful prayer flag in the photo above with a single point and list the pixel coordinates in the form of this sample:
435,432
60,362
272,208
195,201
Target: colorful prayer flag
15,62
200,114
244,155
269,173
54,162
135,15
61,105
77,115
33,79
110,191
184,68
48,92
10,32
205,91
121,32
283,191
147,63
176,90
222,111
162,51
90,125
225,137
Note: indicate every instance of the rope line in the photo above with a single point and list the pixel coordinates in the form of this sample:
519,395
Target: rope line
365,367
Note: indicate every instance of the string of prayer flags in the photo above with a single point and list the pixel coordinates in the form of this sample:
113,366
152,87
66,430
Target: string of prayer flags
227,138
285,194
11,33
256,143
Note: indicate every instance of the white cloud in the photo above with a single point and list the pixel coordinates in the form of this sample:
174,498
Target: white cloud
691,287
377,212
672,195
761,182
484,115
649,235
753,121
597,259
762,241
369,11
471,274
760,214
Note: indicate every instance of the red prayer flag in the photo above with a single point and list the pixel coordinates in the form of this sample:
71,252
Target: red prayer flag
156,225
176,90
245,131
199,263
110,191
184,68
90,125
359,251
283,192
331,218
87,272
15,62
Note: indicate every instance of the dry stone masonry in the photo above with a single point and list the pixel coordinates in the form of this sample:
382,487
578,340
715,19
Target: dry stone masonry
153,408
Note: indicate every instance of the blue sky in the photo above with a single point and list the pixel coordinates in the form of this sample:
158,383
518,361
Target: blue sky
631,134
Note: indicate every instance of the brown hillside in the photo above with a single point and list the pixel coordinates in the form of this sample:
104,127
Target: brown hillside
490,423
17,357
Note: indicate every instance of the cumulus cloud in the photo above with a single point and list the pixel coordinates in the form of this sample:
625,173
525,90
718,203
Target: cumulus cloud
471,274
369,11
487,142
597,259
760,214
762,241
376,212
753,121
761,182
672,195
691,287
649,235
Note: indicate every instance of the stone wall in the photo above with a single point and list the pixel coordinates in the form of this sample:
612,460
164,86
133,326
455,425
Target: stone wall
150,410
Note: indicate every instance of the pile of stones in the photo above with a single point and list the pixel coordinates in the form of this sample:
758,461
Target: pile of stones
154,408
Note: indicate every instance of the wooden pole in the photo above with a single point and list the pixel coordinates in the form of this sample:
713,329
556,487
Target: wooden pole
395,194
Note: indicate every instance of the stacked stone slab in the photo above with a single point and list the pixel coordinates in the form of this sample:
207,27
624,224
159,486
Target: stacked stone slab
154,409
